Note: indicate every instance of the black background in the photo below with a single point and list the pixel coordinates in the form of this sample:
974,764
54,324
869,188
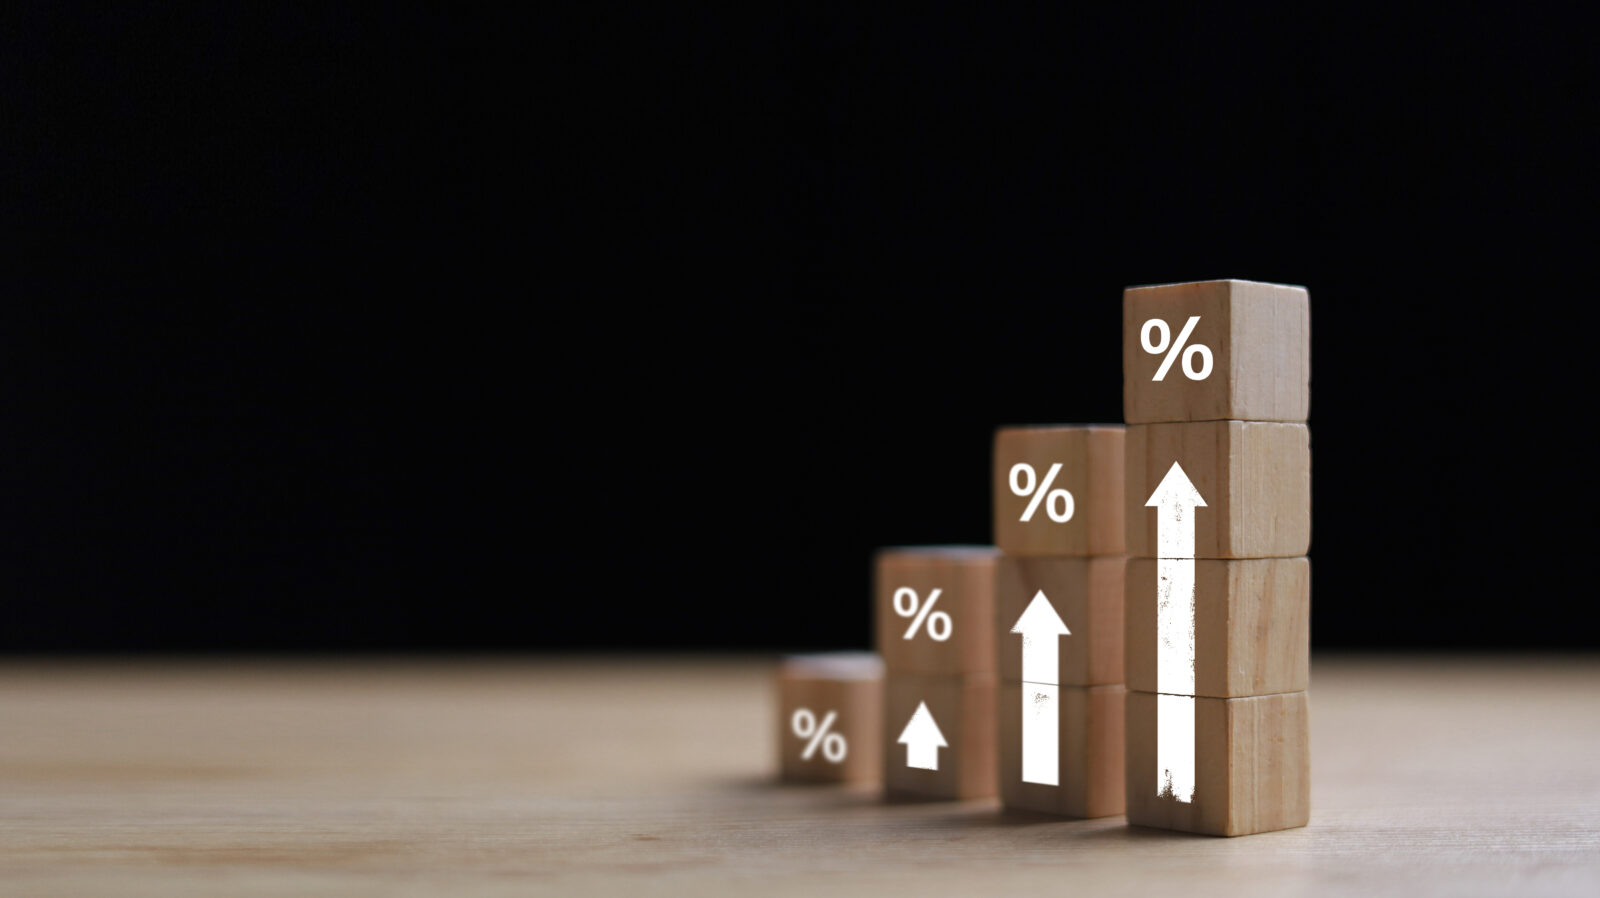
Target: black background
422,330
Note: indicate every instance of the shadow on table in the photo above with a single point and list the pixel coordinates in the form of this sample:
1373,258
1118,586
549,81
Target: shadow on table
836,794
1077,830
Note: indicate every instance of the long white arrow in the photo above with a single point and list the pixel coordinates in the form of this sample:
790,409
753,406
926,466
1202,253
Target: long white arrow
922,739
1176,499
1041,627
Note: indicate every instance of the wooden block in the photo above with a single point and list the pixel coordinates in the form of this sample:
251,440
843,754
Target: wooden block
1091,459
1086,593
825,695
1255,478
962,709
962,612
1252,633
1252,766
1260,341
1089,742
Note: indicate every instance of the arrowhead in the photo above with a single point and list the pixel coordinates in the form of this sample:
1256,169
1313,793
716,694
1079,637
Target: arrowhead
1041,617
1175,489
921,730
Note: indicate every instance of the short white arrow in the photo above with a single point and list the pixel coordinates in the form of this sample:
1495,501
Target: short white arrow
1176,499
922,739
1041,628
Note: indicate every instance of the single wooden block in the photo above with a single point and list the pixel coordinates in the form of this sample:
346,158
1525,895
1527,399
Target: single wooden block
1086,594
1252,626
1091,459
830,717
1089,728
955,635
1252,765
1259,337
1254,477
955,733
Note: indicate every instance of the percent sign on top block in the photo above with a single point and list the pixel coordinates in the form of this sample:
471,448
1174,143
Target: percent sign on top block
804,724
935,624
934,609
1058,490
1216,351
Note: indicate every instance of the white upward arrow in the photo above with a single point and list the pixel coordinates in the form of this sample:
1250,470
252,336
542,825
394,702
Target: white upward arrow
922,739
1176,499
1041,629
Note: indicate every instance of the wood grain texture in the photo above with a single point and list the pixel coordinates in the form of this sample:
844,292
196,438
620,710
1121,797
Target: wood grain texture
1252,766
1260,340
1091,459
964,577
1254,476
1252,626
964,709
1087,593
1091,752
1435,776
848,685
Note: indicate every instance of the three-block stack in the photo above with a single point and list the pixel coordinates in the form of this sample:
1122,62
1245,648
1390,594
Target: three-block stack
935,612
1058,519
1216,391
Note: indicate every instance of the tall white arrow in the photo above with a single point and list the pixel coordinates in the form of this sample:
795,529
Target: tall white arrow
1175,500
922,739
1041,627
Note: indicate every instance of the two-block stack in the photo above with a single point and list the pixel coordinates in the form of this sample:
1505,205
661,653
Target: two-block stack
1216,391
1058,519
934,613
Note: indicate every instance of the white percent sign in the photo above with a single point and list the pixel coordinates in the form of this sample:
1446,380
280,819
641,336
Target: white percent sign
1191,369
804,724
1025,482
912,607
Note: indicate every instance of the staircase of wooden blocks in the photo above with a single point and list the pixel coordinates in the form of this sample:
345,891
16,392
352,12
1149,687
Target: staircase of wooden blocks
1216,391
1137,641
1058,520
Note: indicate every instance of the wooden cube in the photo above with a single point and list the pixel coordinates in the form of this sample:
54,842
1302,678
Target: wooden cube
960,715
1091,459
955,635
1252,625
830,717
1254,477
1252,765
1259,339
1085,593
1089,727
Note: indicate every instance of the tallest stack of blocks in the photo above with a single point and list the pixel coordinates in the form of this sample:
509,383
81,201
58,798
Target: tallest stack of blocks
1216,391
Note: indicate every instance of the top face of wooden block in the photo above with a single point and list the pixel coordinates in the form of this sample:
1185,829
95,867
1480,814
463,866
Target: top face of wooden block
832,666
1091,460
952,635
1259,339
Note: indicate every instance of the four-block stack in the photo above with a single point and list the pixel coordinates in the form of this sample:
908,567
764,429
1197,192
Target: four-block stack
1216,391
1058,519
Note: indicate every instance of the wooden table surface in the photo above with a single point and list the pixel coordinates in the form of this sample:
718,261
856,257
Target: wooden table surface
628,776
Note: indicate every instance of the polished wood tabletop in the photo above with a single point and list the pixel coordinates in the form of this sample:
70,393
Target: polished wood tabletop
1432,775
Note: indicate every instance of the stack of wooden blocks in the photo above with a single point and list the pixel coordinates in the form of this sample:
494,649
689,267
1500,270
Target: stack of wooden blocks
1218,593
934,613
1058,519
